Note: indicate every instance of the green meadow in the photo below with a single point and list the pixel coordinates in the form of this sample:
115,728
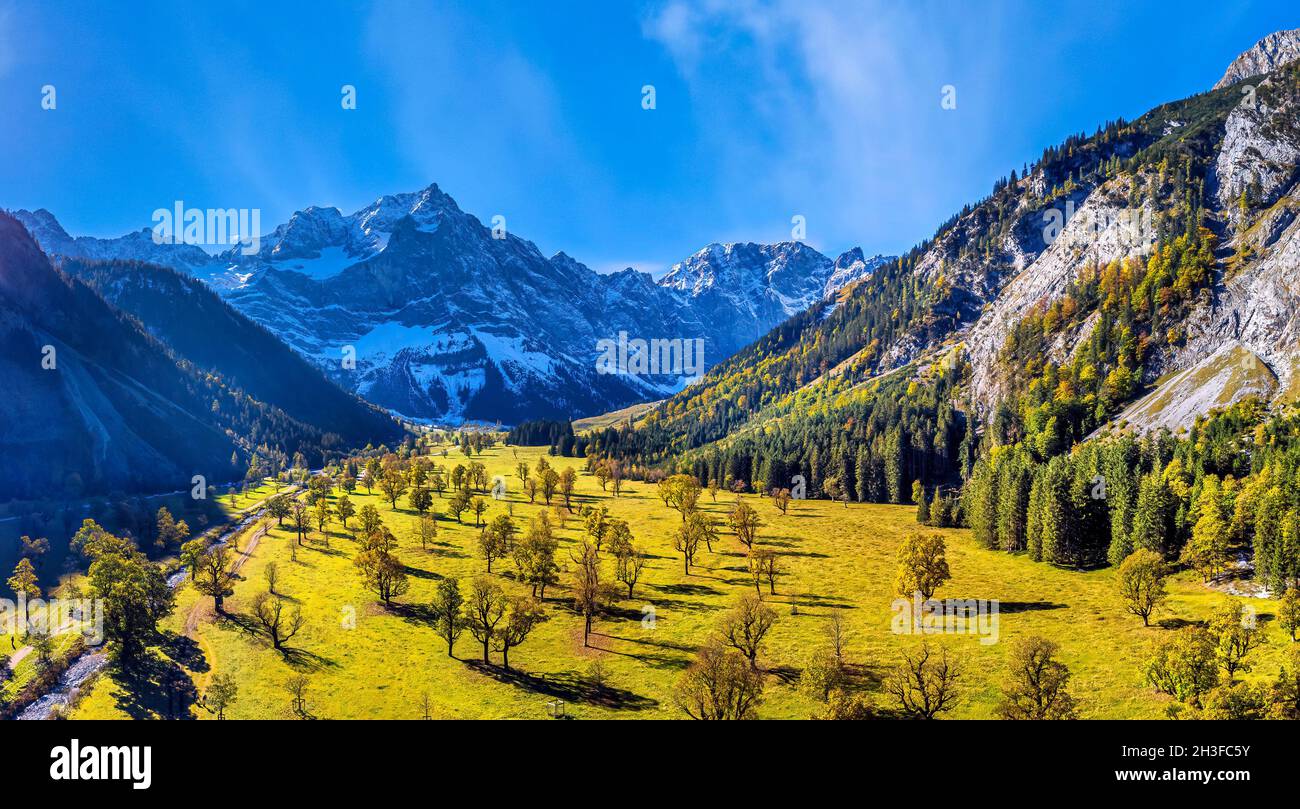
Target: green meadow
365,661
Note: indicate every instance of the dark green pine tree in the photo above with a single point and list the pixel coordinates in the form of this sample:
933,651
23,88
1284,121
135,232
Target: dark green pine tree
1012,482
863,464
1153,518
981,504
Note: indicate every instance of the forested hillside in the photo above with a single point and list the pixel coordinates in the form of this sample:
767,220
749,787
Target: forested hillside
987,360
95,404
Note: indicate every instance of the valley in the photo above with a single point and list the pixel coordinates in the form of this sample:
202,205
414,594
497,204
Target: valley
471,481
833,558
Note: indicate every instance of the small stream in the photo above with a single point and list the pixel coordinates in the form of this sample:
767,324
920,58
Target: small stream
92,660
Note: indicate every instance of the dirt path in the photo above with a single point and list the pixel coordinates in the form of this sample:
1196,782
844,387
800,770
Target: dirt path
202,607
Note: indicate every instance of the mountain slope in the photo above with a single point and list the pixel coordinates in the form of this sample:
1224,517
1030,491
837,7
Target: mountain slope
197,325
1270,53
1115,259
115,411
447,321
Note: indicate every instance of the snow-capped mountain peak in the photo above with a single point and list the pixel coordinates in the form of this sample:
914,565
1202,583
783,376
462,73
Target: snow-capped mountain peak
446,322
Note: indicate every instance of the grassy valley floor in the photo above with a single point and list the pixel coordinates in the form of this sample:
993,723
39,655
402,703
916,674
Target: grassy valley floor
365,661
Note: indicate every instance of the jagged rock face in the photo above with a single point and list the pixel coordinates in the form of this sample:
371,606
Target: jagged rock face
852,266
1258,305
1271,52
136,246
745,289
1260,150
438,318
1101,229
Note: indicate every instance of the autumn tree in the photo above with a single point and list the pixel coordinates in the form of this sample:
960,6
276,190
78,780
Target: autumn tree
523,616
1288,612
484,609
24,581
478,505
568,480
1141,582
744,520
686,541
190,553
1207,551
587,588
745,626
345,509
279,625
924,684
216,574
922,565
628,564
428,530
769,567
420,499
393,486
1183,665
278,507
221,693
382,572
169,530
1235,633
323,515
497,539
1037,685
719,685
447,620
300,519
134,591
550,483
534,556
680,493
458,504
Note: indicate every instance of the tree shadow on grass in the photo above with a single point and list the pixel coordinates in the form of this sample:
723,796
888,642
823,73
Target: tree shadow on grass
448,552
1178,623
686,589
304,661
822,601
240,621
789,675
1028,606
685,606
155,688
790,542
185,651
414,613
421,573
569,686
662,644
659,661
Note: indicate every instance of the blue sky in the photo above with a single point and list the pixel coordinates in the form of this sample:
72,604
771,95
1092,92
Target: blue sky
531,110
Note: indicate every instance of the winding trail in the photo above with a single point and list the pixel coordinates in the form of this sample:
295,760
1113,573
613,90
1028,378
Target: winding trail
92,660
197,611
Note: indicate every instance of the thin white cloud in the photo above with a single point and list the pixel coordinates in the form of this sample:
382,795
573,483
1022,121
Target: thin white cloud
828,107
